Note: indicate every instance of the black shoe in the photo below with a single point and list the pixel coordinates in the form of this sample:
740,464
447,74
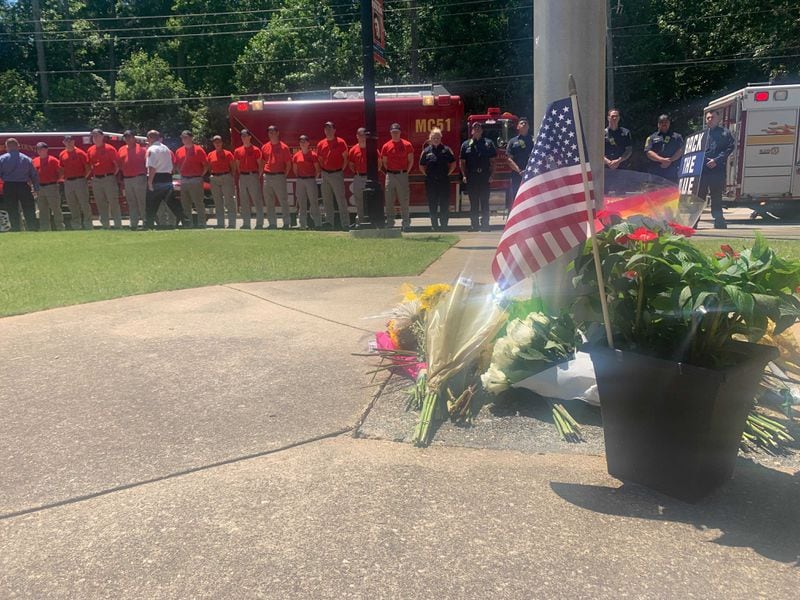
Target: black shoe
472,228
720,224
486,228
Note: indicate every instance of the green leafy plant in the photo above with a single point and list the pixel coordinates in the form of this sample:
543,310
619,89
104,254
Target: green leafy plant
670,300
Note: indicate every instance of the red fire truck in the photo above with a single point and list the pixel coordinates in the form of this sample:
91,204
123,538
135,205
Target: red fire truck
55,141
417,109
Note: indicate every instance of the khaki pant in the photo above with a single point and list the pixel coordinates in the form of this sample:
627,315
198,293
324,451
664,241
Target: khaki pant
397,188
192,193
135,195
222,192
307,194
249,195
106,197
49,200
77,193
357,188
333,185
275,189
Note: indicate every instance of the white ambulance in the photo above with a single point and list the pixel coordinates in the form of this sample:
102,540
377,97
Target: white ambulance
764,169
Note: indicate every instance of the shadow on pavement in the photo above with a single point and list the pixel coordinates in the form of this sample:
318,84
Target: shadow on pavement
758,509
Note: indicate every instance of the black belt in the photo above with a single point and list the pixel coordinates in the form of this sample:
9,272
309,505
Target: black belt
218,174
74,178
268,173
46,184
132,176
361,174
306,176
334,171
248,173
101,176
396,172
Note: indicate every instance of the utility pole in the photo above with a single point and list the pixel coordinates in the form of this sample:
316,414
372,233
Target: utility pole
40,58
610,102
112,59
414,42
373,194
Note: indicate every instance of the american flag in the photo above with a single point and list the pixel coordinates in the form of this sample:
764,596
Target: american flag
549,216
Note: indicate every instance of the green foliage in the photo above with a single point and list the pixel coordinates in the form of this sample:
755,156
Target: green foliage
20,110
668,299
144,77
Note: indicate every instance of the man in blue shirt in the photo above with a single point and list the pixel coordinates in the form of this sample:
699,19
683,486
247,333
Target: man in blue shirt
618,142
663,149
18,174
712,181
476,170
518,152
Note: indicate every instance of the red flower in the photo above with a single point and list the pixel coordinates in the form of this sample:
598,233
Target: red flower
797,290
683,230
719,255
643,234
728,251
622,240
630,275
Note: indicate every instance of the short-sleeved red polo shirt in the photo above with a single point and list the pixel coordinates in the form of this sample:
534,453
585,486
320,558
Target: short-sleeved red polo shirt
191,162
276,157
358,156
397,154
103,159
220,161
247,157
132,162
306,163
47,168
74,163
331,153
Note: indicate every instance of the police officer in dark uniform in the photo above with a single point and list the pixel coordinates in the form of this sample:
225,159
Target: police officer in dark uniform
663,149
619,145
437,162
712,181
518,152
476,168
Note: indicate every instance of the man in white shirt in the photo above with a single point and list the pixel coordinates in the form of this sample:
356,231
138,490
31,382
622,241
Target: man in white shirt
160,163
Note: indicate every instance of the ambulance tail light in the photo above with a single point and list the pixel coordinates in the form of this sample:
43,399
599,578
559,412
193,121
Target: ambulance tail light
443,100
257,105
242,105
761,96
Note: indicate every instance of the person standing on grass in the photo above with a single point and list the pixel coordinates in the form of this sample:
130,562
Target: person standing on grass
131,159
397,156
276,164
357,161
437,162
306,168
332,155
49,197
192,163
18,175
105,188
75,168
247,158
159,162
223,170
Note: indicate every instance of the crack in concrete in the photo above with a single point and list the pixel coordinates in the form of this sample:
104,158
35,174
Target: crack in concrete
298,310
136,484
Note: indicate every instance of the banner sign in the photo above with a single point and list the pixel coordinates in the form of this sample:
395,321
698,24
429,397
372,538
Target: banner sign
692,164
378,33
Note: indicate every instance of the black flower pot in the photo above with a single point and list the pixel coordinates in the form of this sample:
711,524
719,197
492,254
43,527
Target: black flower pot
675,427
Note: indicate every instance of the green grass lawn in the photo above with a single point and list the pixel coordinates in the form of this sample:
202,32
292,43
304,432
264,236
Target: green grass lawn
784,248
39,271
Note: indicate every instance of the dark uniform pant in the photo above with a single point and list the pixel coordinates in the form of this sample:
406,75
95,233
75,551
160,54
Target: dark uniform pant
478,192
713,186
511,194
17,194
438,192
162,192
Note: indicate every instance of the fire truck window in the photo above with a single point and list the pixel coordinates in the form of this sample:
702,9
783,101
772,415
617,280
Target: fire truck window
494,132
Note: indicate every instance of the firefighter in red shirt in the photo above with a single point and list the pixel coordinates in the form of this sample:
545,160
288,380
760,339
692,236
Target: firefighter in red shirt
75,167
222,166
131,159
306,168
105,188
332,154
357,161
48,198
397,156
276,164
247,159
192,163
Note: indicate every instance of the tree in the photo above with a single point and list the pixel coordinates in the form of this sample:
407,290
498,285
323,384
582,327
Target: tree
149,95
21,108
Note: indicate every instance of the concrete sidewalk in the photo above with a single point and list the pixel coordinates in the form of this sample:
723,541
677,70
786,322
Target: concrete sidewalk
172,445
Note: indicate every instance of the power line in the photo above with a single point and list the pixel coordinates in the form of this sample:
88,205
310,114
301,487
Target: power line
701,61
707,17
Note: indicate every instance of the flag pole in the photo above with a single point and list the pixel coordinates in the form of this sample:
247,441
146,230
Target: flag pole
573,96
